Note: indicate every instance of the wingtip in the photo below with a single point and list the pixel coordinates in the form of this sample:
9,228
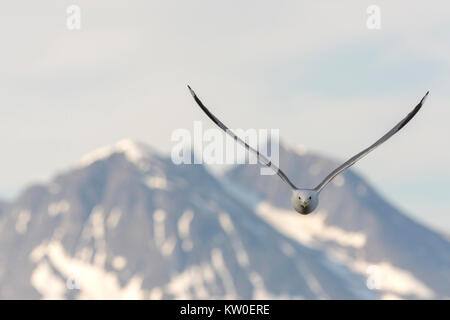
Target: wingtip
424,97
192,91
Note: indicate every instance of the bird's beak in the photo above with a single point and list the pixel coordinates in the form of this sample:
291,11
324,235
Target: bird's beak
304,204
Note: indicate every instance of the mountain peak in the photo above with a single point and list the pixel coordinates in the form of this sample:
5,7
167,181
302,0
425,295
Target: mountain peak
134,151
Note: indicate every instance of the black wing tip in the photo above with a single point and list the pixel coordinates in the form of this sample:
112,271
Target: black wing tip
424,97
192,91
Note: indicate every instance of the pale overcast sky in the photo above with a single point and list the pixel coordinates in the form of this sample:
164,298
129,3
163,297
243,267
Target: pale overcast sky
310,68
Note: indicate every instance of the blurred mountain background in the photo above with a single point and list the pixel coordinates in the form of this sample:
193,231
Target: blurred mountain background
126,222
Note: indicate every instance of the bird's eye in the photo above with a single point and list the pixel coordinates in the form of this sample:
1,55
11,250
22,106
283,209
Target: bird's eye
300,198
309,198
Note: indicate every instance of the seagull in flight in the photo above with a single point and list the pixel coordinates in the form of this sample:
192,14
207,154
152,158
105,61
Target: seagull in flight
305,200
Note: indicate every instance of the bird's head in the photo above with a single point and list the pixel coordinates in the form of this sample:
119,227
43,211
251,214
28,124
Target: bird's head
304,201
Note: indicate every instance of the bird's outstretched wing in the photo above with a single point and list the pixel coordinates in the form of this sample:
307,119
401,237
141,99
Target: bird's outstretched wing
261,158
355,158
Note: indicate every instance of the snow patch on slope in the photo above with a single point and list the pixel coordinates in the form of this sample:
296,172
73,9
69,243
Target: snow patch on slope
23,218
113,218
133,151
55,208
261,293
47,283
222,270
184,225
190,284
156,182
238,247
388,280
92,280
310,229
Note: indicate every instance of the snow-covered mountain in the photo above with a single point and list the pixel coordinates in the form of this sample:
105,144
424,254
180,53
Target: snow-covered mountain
128,223
354,225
